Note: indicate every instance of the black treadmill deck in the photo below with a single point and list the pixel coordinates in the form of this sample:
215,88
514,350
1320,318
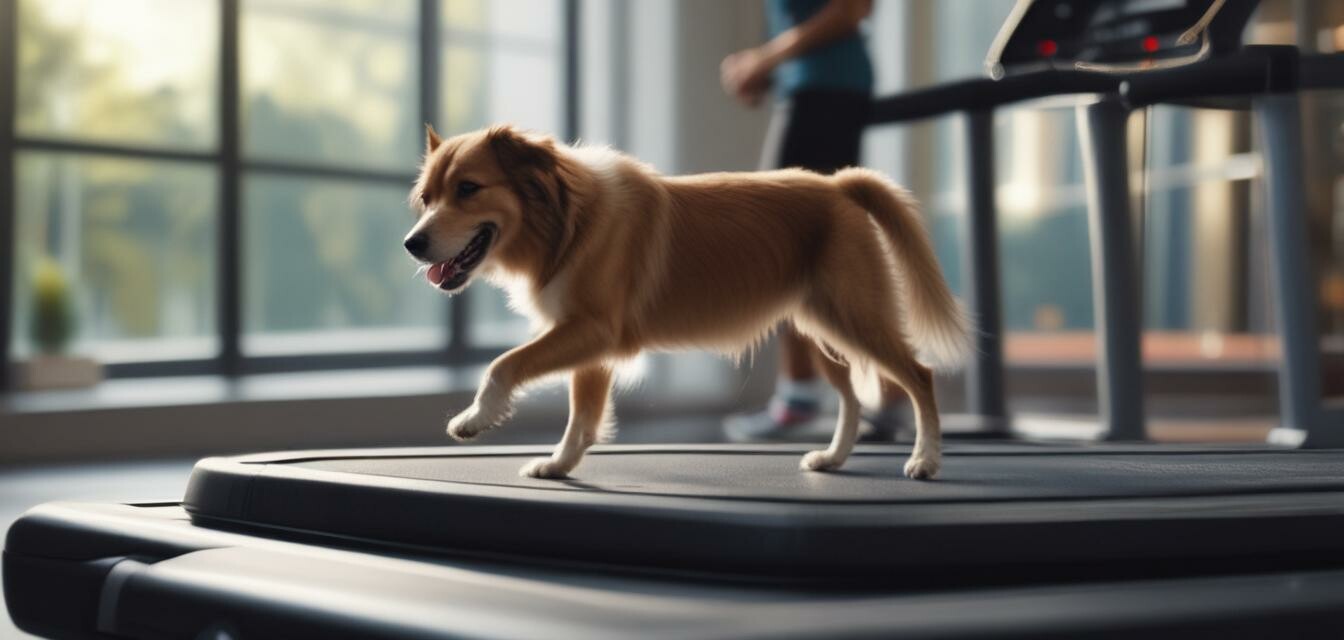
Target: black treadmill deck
85,570
748,511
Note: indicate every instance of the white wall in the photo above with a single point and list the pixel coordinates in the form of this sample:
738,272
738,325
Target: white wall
888,44
651,81
715,132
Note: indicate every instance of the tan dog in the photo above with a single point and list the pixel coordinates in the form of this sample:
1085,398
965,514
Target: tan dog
611,258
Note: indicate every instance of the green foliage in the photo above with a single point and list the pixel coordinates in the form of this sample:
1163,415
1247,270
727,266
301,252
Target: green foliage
319,254
53,319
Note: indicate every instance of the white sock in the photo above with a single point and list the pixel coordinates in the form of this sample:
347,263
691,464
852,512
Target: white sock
800,390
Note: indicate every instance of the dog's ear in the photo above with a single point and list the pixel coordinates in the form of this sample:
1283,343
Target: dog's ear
432,139
537,171
515,149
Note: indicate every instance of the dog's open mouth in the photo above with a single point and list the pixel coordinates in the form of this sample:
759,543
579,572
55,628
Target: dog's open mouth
451,274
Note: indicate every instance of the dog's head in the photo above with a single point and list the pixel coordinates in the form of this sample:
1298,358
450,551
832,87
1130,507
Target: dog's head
495,197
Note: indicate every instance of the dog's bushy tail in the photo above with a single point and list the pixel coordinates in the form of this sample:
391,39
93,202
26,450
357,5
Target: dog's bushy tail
934,321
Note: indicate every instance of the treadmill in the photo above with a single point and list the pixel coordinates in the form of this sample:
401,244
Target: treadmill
1059,48
1014,540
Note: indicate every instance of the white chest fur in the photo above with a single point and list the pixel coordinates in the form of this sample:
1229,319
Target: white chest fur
541,308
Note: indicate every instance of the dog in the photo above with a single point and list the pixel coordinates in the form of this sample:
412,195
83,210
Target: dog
610,258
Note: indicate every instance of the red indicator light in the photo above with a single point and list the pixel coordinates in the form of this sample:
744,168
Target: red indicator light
1150,44
1047,48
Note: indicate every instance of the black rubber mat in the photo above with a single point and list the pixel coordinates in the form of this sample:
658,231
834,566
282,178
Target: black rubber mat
749,511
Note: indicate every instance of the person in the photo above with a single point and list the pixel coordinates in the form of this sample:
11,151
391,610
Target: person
817,65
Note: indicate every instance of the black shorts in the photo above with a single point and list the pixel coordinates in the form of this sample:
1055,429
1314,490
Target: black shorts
817,130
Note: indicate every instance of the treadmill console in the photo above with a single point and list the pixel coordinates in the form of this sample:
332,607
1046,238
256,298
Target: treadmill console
1115,35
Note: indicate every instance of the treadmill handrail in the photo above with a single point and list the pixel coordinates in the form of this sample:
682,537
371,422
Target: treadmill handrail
1257,70
1321,71
985,93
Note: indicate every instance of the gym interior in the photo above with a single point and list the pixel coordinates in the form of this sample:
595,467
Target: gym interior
223,389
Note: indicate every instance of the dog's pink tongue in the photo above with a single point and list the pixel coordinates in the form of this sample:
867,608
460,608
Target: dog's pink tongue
440,271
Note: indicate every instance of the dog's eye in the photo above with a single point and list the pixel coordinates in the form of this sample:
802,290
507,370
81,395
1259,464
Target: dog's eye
467,188
424,198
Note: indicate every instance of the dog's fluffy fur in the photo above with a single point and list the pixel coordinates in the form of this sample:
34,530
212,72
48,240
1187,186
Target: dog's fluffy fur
610,258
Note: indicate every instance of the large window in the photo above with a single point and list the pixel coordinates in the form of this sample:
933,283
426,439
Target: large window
223,181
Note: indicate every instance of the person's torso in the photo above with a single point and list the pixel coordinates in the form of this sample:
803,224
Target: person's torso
839,65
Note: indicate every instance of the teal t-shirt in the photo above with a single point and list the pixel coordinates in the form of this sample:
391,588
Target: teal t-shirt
840,65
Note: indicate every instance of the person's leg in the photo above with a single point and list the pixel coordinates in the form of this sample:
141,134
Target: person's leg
820,131
799,390
795,355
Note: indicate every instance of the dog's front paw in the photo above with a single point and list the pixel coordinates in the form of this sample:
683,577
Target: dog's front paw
820,461
543,468
922,466
470,423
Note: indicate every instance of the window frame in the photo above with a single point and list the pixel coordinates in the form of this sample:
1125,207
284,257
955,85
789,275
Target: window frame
228,161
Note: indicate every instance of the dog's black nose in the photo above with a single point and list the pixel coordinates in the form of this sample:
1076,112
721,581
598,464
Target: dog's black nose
417,244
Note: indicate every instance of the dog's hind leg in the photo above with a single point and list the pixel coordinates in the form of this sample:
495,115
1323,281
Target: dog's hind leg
927,457
589,388
868,330
847,425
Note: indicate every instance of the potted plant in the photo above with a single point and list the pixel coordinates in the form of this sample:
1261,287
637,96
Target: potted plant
52,326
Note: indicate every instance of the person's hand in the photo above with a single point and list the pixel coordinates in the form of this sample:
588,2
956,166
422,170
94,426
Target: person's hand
745,75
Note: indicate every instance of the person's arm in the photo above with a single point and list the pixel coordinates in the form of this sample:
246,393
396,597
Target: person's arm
837,19
746,74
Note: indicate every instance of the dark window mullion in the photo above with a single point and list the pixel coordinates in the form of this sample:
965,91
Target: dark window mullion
570,39
328,172
365,360
8,89
295,363
89,147
429,114
230,185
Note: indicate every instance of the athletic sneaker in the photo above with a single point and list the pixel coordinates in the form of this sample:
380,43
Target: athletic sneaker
886,425
790,417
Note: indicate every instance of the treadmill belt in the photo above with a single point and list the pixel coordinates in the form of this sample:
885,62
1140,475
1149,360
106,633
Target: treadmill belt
875,477
1003,512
